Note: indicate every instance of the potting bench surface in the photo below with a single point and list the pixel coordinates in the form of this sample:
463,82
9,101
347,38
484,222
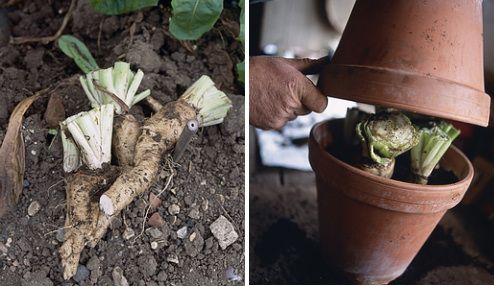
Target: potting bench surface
284,238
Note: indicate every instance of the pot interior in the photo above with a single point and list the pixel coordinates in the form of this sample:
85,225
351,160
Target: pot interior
327,133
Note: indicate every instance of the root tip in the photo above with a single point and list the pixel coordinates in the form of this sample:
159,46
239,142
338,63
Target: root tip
106,205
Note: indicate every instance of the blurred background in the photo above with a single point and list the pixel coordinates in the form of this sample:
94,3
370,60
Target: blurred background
284,247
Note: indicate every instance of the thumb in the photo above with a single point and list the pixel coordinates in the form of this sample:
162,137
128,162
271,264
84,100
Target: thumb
311,97
308,66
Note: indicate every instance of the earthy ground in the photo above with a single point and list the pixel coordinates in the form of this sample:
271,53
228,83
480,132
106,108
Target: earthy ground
209,180
284,247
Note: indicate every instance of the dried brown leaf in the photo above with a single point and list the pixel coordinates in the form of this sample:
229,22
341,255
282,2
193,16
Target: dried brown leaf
55,111
12,157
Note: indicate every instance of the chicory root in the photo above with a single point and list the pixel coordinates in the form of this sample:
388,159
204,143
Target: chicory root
202,101
126,133
81,219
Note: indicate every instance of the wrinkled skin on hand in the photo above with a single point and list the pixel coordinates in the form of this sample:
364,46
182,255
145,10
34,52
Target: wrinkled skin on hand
280,91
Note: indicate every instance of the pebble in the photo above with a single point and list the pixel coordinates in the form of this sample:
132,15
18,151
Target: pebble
172,258
231,275
128,233
154,245
174,209
182,232
118,277
156,220
162,276
154,232
204,205
192,236
59,235
34,208
194,213
3,248
82,273
154,201
224,232
209,242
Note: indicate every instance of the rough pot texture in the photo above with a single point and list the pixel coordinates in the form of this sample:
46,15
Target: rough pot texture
419,56
372,227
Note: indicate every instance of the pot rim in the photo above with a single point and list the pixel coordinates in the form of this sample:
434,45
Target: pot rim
339,80
411,187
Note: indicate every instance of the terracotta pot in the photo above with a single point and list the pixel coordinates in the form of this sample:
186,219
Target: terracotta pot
420,56
371,227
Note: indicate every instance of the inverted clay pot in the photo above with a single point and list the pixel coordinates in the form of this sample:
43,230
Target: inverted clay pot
419,56
372,227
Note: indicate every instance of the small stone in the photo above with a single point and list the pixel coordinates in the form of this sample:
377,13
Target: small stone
224,232
59,235
204,205
188,200
231,275
128,233
154,201
209,242
154,232
82,273
174,209
154,245
34,208
156,220
147,265
194,213
162,276
9,241
172,258
118,277
182,232
3,249
192,236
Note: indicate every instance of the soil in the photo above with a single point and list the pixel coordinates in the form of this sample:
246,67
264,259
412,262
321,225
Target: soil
210,176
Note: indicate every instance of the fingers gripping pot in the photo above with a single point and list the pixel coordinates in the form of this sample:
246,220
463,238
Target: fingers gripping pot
372,227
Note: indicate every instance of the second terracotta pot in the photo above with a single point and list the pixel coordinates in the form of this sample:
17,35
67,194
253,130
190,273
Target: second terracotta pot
371,227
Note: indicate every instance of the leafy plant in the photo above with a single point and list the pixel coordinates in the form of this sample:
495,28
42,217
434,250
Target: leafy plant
117,7
77,50
192,18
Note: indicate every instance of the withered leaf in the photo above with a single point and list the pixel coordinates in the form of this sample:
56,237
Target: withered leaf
12,157
55,111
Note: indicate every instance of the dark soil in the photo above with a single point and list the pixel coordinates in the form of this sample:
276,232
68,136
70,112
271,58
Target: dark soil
209,180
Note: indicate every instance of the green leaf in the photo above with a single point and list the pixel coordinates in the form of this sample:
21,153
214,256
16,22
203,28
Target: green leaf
117,7
240,68
192,18
77,50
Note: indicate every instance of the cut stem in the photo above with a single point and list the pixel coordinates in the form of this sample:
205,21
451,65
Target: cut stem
91,131
211,104
434,142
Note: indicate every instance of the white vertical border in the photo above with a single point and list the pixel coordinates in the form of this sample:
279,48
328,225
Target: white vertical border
247,142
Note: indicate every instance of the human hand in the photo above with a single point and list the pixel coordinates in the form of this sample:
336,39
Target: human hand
280,91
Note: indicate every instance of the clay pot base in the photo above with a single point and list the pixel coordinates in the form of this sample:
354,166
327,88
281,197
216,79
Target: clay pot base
424,94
